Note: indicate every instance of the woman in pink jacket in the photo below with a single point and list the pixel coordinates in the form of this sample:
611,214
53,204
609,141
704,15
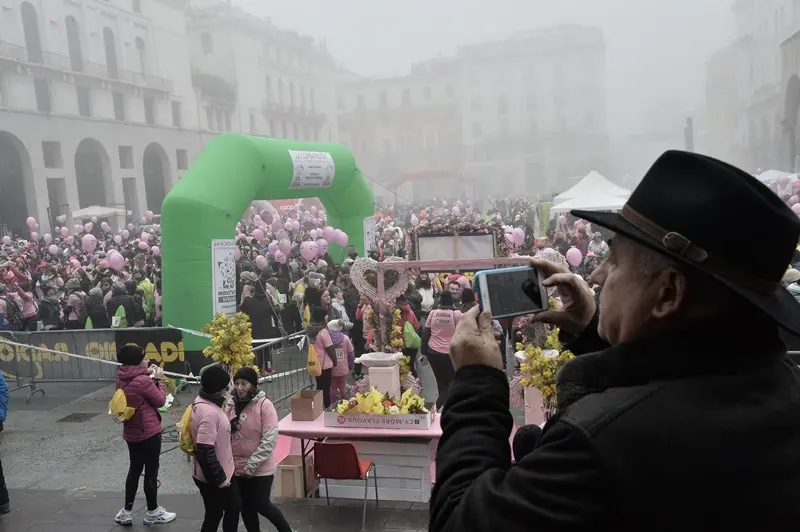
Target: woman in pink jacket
144,391
254,432
212,465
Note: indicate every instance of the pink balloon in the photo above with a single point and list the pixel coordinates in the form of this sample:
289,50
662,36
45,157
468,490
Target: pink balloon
574,256
518,236
273,247
328,233
145,236
237,254
313,234
117,239
34,236
53,249
78,229
280,257
148,215
295,225
796,208
94,219
344,239
130,227
116,261
309,250
414,221
323,246
125,234
47,238
88,227
105,227
281,234
288,226
285,246
156,251
89,243
69,240
103,264
261,262
31,222
509,238
143,245
6,240
64,231
456,211
258,234
276,224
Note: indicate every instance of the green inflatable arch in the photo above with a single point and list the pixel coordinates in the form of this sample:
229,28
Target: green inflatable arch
208,202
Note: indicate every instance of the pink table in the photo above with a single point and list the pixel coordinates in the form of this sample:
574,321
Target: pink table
402,457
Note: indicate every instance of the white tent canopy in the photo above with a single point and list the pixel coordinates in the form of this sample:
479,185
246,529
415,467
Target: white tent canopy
771,175
592,183
95,211
596,201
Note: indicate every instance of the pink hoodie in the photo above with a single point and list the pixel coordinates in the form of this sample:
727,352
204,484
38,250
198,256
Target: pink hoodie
253,444
345,356
210,426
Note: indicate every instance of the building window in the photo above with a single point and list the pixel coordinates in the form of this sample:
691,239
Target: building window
137,6
150,110
428,93
311,98
206,43
126,157
141,52
210,118
502,105
30,28
84,101
384,100
268,83
42,88
227,121
183,159
252,123
177,114
477,130
74,44
110,46
302,97
361,102
406,96
119,106
52,154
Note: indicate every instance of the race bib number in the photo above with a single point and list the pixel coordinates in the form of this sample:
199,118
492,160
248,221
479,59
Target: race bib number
116,320
282,299
340,354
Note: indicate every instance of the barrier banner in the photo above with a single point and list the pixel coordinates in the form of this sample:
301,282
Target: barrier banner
163,346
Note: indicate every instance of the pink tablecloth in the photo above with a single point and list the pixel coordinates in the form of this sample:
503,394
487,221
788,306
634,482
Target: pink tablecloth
317,429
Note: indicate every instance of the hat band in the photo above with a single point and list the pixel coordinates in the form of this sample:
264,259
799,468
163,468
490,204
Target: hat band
677,243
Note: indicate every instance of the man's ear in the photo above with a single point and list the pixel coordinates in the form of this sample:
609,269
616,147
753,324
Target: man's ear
672,293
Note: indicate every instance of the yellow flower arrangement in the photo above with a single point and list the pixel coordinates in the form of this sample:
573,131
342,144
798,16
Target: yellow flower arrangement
542,365
405,366
396,334
231,341
374,402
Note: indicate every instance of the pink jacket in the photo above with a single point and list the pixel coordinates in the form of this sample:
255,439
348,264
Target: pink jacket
210,426
323,340
145,396
344,354
254,443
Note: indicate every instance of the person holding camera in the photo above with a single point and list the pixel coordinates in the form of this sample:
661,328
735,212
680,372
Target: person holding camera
681,408
144,387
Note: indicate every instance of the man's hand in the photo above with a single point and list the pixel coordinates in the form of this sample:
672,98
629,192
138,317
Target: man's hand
577,298
226,484
474,343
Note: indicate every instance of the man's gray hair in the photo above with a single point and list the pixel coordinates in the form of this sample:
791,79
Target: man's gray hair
650,261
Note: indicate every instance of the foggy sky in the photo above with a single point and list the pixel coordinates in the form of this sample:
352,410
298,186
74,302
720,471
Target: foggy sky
656,49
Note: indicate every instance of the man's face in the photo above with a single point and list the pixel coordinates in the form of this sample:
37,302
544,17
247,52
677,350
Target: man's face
454,289
105,285
628,294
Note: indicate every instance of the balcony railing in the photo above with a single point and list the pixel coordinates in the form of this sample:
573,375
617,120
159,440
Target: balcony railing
284,110
77,66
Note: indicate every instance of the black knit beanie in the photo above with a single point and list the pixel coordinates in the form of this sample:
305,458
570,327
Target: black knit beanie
130,355
248,374
214,379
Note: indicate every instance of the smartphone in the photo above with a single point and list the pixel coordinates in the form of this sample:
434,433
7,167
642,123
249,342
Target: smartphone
501,291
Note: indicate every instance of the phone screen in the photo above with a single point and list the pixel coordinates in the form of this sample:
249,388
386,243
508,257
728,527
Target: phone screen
506,296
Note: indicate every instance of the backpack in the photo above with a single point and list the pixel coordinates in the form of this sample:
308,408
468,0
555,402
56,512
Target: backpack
14,313
118,407
313,367
120,318
185,441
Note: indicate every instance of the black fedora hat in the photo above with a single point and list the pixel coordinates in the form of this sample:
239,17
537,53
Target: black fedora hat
680,209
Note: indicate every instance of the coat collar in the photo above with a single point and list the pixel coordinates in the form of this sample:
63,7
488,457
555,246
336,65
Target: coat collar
704,349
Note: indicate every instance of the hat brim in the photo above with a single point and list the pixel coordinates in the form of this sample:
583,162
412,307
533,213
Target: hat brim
781,307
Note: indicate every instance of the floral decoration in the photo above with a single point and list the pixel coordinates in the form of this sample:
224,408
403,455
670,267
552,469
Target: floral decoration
231,341
453,225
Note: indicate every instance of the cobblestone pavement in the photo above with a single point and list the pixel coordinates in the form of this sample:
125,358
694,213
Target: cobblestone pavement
85,511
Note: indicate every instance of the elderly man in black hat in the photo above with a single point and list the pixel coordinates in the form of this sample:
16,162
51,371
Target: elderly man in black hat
682,411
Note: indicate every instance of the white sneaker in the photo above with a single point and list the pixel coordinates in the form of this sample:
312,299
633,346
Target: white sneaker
124,518
159,516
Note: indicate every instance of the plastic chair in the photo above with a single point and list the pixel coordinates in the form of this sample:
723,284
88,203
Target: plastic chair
339,461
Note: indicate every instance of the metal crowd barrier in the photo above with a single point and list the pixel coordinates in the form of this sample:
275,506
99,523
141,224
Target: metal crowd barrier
31,359
283,366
